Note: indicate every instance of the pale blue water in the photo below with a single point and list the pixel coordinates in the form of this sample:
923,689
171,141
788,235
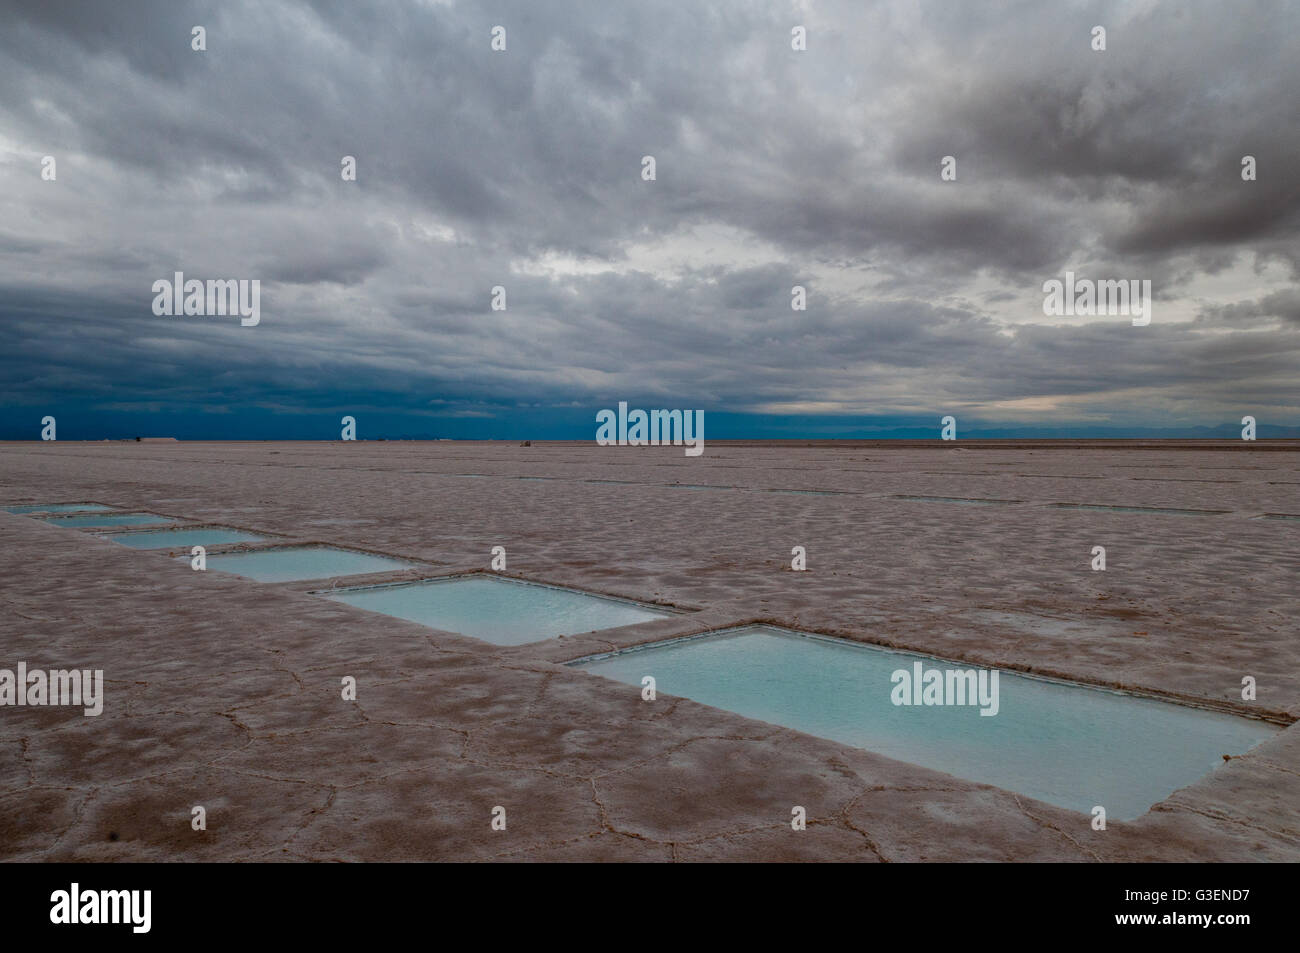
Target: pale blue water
302,562
119,519
1136,509
1068,745
183,538
502,611
811,492
952,499
58,508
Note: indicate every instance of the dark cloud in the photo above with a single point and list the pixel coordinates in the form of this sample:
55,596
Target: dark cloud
774,168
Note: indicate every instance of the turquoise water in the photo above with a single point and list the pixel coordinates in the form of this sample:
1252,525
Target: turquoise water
58,508
119,519
183,538
951,499
502,611
302,562
810,492
1136,509
1068,745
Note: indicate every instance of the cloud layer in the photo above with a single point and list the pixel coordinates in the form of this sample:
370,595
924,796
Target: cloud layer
774,168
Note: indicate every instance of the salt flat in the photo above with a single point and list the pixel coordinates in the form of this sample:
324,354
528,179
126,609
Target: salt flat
224,692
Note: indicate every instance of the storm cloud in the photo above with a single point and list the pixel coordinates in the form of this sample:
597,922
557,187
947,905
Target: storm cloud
774,167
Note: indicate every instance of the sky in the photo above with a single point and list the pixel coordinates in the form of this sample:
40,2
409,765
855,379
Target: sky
523,168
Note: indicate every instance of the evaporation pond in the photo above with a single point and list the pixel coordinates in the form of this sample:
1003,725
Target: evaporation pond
110,519
809,492
183,538
1069,745
502,611
58,508
303,562
953,499
1167,511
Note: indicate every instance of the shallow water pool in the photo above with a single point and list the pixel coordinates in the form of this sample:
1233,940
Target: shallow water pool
1067,744
809,492
292,563
183,538
1167,511
951,499
110,519
58,508
501,611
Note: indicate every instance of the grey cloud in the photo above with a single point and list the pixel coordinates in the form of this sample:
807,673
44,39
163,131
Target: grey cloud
475,166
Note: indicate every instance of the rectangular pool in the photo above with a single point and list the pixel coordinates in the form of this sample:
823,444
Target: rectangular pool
22,508
292,563
970,501
109,519
1070,745
497,610
183,538
810,492
1167,511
